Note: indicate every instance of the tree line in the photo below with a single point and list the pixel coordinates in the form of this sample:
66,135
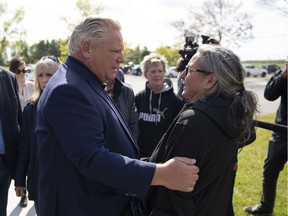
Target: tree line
223,19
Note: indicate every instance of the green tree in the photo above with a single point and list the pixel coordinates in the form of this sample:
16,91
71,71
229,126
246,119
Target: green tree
83,8
44,48
222,19
128,54
171,54
137,55
21,48
11,31
63,46
144,52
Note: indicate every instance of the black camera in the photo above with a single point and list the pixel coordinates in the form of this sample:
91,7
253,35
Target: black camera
190,48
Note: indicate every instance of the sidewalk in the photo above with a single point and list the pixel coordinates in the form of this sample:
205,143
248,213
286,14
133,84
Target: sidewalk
13,209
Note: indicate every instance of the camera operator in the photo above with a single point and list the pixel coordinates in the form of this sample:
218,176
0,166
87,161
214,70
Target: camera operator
180,67
190,48
277,149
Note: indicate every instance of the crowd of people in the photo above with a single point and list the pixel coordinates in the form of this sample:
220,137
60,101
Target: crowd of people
155,153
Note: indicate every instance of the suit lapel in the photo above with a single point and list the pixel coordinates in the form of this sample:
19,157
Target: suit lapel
97,88
95,84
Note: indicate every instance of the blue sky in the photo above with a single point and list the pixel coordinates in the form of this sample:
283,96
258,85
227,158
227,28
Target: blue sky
147,23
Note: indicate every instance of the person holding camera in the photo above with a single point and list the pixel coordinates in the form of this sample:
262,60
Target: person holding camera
277,149
180,66
190,48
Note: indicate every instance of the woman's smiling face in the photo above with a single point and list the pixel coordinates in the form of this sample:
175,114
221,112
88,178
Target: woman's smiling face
196,81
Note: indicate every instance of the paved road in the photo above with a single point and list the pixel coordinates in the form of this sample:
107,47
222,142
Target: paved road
137,83
256,84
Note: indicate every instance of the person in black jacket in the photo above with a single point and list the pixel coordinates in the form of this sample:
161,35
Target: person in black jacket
124,98
277,149
157,104
27,160
219,115
10,112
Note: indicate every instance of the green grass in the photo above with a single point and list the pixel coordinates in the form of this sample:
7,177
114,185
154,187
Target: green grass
248,184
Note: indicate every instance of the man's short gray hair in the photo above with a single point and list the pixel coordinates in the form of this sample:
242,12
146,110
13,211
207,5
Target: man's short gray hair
93,30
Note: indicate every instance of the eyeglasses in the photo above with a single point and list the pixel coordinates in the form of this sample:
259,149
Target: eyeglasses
20,71
190,70
51,57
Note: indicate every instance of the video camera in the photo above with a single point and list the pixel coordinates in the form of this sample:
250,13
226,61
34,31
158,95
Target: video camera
190,48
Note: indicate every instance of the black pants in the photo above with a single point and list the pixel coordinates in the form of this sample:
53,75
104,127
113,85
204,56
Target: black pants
274,164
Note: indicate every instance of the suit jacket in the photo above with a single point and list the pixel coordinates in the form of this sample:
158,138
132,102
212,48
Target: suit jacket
87,156
10,112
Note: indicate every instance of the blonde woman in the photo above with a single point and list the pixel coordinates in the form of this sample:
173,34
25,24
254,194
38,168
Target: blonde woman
157,104
27,162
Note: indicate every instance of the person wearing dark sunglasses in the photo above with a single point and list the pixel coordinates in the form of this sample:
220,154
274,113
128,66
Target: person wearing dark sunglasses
18,67
25,90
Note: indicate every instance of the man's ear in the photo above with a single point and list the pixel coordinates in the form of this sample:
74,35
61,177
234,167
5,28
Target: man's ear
85,49
211,80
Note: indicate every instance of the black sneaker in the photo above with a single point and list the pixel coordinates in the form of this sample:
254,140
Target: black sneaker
23,202
256,210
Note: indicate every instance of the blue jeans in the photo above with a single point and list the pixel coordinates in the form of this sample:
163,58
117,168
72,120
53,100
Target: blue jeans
5,181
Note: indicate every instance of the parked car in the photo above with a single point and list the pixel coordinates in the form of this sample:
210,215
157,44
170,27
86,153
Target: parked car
30,72
136,70
271,68
126,69
255,71
171,72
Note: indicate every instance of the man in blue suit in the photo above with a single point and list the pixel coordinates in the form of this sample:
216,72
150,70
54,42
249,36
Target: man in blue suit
88,159
10,112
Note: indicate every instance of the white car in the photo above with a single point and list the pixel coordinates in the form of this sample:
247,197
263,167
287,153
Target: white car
30,72
255,71
171,72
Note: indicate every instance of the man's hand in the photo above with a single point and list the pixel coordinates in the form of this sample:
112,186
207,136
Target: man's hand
178,173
